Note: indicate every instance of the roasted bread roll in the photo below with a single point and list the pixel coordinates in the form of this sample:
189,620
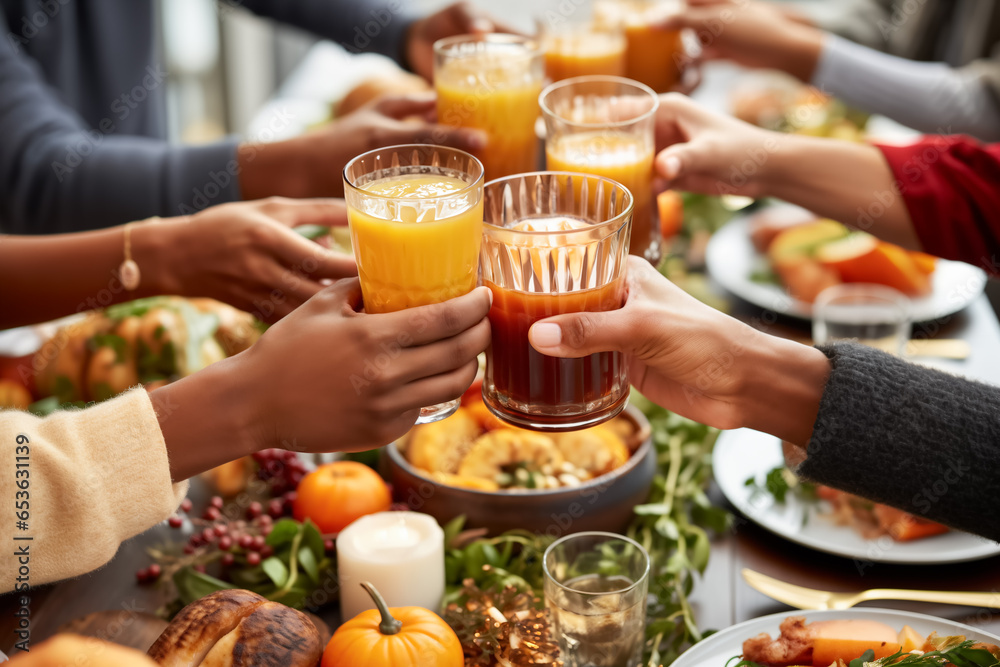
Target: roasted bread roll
237,628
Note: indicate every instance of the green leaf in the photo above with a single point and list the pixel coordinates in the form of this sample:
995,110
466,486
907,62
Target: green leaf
115,342
651,509
311,232
452,529
313,539
283,532
44,407
276,570
193,585
308,562
65,390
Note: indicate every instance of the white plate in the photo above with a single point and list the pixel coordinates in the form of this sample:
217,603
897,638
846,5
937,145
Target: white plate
720,647
731,259
744,453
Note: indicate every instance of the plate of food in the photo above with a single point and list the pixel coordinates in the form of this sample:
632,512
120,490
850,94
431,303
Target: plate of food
749,467
782,257
824,638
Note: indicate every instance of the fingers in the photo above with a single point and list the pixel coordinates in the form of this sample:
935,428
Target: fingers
444,356
297,212
443,135
438,389
579,334
404,106
430,324
302,258
470,19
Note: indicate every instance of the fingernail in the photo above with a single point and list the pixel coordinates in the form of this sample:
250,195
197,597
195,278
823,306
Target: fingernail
670,166
478,139
546,335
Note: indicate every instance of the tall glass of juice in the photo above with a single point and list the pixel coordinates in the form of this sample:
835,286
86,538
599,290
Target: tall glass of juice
491,83
653,56
553,243
604,126
416,219
582,49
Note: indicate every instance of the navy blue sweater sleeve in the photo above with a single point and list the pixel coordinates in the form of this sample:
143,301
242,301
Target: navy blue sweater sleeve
377,26
59,175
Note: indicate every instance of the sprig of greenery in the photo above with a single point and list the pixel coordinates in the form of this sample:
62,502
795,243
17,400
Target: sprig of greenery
779,482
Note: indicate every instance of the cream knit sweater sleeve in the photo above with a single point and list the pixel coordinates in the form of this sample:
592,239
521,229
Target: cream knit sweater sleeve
82,481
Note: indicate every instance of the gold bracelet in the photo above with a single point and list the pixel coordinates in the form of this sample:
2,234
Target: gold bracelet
128,271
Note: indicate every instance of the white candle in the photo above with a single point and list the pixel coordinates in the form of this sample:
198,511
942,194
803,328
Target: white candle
400,553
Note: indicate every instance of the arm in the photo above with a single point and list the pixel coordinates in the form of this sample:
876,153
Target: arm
714,154
103,474
930,97
859,415
242,254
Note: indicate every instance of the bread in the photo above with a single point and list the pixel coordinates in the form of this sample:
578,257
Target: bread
67,649
237,628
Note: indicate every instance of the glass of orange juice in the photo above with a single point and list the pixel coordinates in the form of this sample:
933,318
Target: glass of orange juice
654,57
581,49
604,125
416,219
554,243
491,83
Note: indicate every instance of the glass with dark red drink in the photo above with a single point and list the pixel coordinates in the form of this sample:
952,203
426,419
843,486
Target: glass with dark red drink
554,243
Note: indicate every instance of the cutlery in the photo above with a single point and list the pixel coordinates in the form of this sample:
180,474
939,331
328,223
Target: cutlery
809,598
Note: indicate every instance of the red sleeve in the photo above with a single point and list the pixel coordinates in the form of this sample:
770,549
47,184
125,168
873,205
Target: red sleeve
951,186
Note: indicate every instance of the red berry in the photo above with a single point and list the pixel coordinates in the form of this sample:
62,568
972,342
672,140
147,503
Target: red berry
267,551
225,543
265,520
208,535
142,576
290,497
295,478
253,558
189,549
196,540
245,541
228,560
154,571
216,502
258,543
175,522
266,529
254,510
220,529
199,568
276,508
211,514
186,505
328,545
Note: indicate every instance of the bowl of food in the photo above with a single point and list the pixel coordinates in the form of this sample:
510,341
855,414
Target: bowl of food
501,477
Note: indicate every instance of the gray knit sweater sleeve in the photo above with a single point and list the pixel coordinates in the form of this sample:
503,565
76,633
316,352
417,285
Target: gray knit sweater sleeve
918,439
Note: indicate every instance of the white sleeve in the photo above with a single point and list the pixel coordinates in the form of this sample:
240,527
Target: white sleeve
929,97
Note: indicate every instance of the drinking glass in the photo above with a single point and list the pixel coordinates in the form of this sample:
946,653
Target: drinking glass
604,125
553,243
653,56
595,589
416,220
873,315
491,83
581,48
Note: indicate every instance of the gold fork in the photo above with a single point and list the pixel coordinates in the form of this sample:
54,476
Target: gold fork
810,598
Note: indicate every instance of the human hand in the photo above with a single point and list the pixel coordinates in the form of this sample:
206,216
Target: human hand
245,254
701,151
312,165
330,378
753,34
695,360
461,18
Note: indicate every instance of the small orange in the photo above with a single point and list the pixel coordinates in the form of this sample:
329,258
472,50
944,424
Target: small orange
337,493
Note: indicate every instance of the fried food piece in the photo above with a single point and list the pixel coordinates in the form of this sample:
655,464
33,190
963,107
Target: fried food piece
793,647
474,483
492,451
441,446
597,450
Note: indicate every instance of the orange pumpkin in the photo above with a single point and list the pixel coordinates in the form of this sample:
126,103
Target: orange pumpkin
336,494
397,637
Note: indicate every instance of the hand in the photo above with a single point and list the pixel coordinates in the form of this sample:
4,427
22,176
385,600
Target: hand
753,34
695,360
701,151
245,254
330,378
312,165
461,18
325,378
